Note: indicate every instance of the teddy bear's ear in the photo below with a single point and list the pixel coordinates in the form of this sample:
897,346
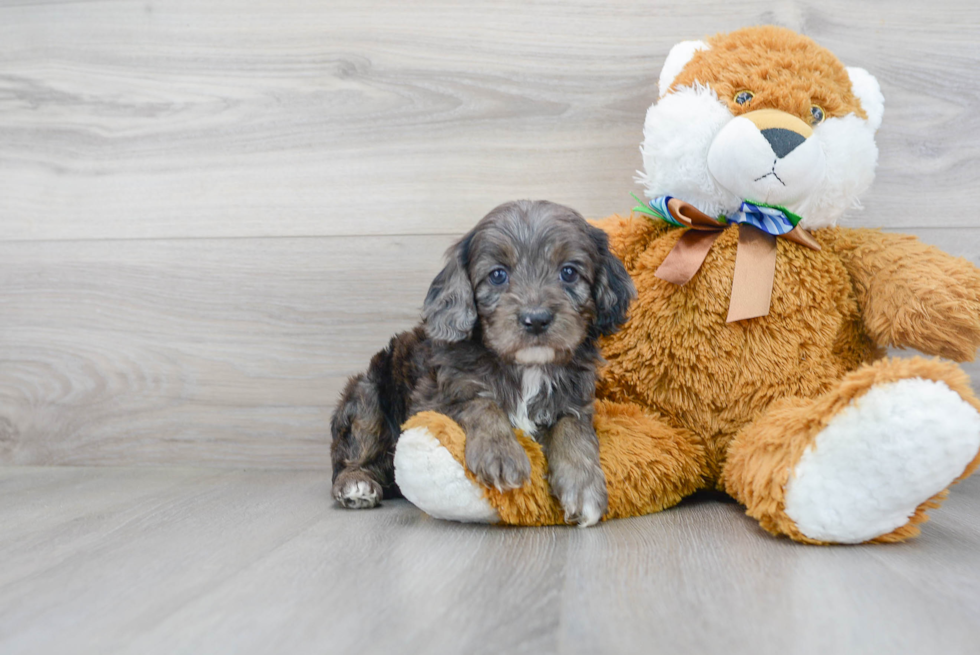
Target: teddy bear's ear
679,55
865,87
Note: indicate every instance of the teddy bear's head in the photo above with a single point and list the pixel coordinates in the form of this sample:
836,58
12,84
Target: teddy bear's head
762,115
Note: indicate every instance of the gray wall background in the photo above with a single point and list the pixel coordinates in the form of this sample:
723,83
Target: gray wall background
212,212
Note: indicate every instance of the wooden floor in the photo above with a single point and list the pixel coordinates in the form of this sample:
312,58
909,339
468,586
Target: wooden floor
152,560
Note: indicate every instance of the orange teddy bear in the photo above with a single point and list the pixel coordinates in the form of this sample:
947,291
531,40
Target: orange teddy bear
753,359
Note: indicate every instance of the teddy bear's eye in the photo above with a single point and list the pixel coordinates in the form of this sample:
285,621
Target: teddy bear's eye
743,97
816,114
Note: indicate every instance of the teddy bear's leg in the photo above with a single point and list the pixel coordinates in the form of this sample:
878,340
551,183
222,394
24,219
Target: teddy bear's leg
864,461
648,466
430,471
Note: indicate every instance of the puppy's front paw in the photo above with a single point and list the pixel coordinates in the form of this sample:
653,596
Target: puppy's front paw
498,463
357,490
582,494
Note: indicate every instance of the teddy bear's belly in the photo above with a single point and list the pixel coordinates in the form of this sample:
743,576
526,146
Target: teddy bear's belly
678,356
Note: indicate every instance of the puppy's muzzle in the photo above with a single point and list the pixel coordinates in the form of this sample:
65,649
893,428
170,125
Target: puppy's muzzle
536,321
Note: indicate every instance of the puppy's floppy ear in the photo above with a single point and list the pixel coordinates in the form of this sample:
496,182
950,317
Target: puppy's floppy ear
613,288
449,311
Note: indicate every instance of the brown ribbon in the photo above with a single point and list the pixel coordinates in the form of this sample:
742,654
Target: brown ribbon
755,258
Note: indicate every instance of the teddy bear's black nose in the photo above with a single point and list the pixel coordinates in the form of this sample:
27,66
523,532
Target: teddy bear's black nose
783,141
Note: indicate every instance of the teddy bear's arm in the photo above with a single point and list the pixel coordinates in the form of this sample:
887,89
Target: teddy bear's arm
629,235
912,294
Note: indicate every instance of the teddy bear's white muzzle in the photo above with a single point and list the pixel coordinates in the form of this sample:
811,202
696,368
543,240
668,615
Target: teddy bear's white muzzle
768,157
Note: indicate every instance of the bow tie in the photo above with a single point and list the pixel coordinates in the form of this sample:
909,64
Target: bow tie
755,261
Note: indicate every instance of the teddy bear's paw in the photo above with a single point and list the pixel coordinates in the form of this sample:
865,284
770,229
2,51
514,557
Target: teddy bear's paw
582,494
880,458
357,490
434,481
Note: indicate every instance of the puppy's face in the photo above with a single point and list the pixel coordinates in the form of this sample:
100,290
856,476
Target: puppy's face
537,278
532,274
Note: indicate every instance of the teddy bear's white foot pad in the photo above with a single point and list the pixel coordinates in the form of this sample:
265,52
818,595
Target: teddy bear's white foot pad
881,457
436,483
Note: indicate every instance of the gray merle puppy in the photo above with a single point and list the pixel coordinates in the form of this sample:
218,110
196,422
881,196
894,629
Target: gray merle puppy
507,340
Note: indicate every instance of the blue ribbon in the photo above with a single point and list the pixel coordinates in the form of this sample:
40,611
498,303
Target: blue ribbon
776,221
771,219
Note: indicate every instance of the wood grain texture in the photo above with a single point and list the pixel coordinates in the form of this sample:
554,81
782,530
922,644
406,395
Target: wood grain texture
211,212
225,352
228,352
179,560
294,118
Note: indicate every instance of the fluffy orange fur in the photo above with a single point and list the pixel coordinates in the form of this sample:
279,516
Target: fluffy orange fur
678,354
784,70
912,294
775,381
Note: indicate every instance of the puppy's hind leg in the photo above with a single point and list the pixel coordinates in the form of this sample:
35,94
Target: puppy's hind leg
363,446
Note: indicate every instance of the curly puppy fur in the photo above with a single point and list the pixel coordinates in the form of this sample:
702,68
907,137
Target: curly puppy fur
508,340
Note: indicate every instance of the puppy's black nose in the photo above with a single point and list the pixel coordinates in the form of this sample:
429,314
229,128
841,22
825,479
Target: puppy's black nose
536,321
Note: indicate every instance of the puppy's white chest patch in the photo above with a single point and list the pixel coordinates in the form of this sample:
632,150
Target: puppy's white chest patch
533,382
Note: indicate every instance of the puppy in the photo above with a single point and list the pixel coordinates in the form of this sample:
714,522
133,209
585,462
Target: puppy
507,340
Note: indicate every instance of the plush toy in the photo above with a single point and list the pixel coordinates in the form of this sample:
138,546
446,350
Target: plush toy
753,361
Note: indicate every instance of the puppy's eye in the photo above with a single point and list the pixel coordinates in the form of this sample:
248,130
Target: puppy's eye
497,276
743,97
816,115
568,274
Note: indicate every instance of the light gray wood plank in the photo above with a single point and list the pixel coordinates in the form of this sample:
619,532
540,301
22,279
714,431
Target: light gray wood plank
715,578
189,560
287,118
260,562
221,352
